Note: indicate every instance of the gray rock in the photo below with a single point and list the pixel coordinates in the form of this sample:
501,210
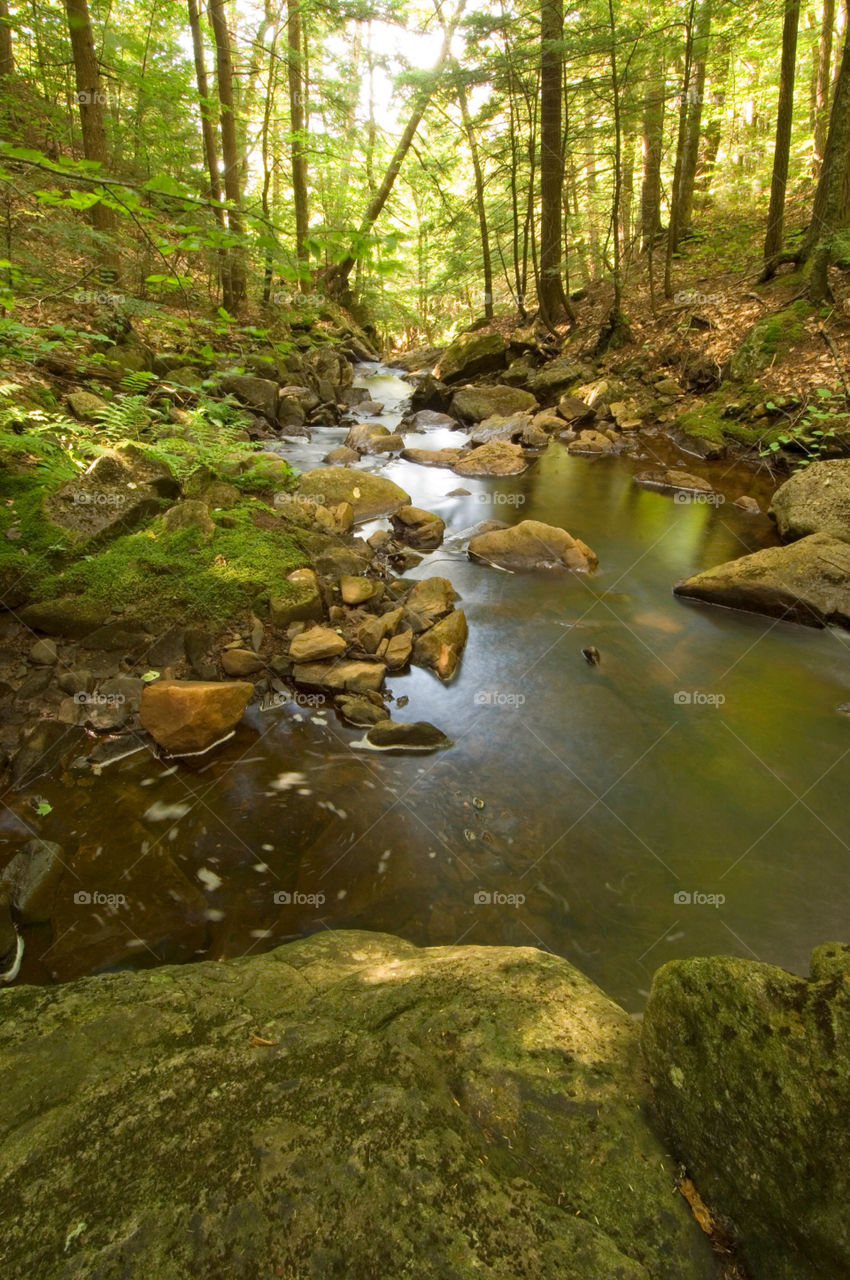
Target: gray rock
30,880
416,735
471,354
44,653
477,403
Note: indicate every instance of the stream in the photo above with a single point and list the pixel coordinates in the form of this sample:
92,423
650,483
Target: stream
686,796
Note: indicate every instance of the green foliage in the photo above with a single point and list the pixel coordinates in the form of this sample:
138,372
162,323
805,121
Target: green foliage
813,431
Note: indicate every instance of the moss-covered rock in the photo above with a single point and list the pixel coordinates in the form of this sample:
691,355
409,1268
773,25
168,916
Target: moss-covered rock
816,500
344,1108
751,1071
773,336
370,495
471,354
477,403
807,582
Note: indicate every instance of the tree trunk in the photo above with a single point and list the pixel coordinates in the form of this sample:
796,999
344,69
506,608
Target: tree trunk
235,289
653,145
824,59
696,93
831,209
674,228
298,151
7,57
554,306
486,260
784,120
90,97
208,133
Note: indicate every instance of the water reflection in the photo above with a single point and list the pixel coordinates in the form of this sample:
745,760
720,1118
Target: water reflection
704,755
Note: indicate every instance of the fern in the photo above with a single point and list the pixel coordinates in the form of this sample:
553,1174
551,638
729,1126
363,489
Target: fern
124,419
138,381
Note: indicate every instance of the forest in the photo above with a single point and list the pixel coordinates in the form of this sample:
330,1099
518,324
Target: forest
424,623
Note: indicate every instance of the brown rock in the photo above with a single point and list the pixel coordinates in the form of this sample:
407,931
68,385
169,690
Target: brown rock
532,545
441,646
429,600
352,676
186,716
241,662
497,459
317,643
418,528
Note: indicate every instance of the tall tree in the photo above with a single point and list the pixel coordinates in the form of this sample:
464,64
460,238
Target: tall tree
684,196
298,147
486,260
336,278
554,305
7,56
208,131
90,97
831,208
235,285
784,120
653,150
821,102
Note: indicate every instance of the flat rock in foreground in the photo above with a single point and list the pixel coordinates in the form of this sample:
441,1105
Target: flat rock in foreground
806,582
532,545
344,1107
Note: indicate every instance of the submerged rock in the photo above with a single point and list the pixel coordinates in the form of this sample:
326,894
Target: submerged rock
751,1071
673,481
347,1106
416,735
189,716
816,500
532,545
433,457
806,582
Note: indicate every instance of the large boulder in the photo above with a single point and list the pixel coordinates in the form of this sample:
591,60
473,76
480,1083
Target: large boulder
816,500
349,676
72,617
257,393
372,437
532,545
120,489
471,354
189,716
751,1071
806,582
474,404
345,1106
496,459
370,496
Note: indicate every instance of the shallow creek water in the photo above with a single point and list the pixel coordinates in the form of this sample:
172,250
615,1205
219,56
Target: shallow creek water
579,807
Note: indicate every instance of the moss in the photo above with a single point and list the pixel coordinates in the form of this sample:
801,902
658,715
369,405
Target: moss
709,423
773,336
161,574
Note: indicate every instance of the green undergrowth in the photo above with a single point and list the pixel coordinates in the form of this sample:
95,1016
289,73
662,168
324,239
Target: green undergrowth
157,574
